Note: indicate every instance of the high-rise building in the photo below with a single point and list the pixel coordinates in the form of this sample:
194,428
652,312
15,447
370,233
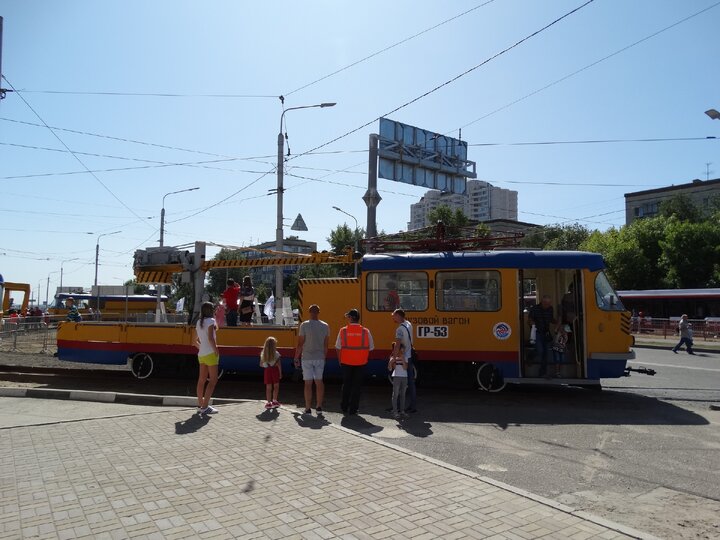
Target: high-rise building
481,202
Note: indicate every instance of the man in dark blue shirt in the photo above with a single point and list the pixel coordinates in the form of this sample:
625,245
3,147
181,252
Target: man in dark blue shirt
542,316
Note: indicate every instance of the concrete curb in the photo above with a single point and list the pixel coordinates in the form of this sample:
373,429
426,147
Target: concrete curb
188,401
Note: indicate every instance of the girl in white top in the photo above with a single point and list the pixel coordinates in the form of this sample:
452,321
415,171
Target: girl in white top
398,365
208,357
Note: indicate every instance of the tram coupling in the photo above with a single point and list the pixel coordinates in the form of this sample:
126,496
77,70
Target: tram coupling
643,370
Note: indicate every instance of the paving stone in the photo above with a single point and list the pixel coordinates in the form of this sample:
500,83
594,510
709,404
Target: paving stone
133,476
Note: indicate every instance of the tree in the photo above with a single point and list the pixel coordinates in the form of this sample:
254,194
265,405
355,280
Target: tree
341,238
682,207
691,254
454,221
138,288
556,237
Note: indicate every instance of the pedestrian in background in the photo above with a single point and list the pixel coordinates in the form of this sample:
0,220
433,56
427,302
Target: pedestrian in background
353,345
272,372
208,358
230,295
685,330
247,301
312,348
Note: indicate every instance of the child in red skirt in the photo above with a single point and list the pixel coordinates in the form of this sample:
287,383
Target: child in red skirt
270,361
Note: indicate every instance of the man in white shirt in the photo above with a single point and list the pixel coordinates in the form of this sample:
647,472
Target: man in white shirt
403,335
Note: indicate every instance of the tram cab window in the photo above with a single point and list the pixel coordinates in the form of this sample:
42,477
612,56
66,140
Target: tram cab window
473,290
605,296
387,291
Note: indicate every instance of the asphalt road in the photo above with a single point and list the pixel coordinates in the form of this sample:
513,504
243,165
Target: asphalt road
644,452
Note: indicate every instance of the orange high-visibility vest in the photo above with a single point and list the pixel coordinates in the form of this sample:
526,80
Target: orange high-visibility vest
354,345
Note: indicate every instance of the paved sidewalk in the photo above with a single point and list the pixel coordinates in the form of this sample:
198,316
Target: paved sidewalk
250,473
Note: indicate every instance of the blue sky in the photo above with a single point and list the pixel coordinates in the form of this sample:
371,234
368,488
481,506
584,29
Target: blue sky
658,88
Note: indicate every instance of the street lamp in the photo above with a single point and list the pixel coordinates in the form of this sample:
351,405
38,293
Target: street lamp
355,235
162,212
714,114
97,252
279,229
61,269
162,239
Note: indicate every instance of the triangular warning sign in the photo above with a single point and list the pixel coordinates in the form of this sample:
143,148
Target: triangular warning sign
299,224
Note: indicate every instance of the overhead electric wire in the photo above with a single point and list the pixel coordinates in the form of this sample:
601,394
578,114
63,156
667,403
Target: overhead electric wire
147,94
66,146
389,47
588,66
126,158
134,141
600,141
450,81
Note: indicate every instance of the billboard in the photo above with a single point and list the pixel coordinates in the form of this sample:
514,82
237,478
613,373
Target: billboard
423,158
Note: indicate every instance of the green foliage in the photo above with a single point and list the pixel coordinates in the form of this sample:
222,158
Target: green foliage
217,279
138,288
682,208
341,238
454,220
556,237
691,254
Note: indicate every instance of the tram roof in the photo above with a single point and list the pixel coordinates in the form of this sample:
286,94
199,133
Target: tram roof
484,259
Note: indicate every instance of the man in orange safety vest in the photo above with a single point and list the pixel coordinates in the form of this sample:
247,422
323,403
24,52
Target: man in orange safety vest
353,346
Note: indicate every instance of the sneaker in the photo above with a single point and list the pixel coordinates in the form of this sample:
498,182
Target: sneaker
319,411
411,410
307,411
275,404
674,351
396,415
269,405
209,410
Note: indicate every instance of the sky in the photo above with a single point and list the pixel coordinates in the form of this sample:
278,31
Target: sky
119,103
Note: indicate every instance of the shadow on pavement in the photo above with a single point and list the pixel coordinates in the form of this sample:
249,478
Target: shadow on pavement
416,427
309,421
191,425
358,423
268,415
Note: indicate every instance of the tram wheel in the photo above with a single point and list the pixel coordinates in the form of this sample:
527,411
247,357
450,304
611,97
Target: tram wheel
489,378
141,365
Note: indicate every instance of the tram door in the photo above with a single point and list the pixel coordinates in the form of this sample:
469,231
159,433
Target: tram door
564,287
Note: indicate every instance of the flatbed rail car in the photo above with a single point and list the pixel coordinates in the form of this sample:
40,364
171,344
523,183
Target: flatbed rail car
467,308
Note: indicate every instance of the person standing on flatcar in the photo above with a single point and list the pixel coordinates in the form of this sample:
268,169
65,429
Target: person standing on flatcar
247,301
542,316
230,295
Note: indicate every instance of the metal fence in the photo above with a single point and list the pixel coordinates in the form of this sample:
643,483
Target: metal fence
28,335
702,329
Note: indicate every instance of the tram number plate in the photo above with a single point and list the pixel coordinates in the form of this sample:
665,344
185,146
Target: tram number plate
432,332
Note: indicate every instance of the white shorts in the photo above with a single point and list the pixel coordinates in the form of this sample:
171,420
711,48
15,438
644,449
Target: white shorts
313,370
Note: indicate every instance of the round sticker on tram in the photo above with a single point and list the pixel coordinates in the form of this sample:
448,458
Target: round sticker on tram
502,331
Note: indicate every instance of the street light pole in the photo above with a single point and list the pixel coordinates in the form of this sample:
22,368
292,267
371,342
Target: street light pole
355,235
97,256
713,113
61,269
280,190
162,240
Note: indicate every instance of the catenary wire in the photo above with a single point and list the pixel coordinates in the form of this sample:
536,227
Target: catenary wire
66,146
389,47
148,94
450,81
584,68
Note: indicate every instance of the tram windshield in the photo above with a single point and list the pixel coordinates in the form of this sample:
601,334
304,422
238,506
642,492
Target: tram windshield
606,297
